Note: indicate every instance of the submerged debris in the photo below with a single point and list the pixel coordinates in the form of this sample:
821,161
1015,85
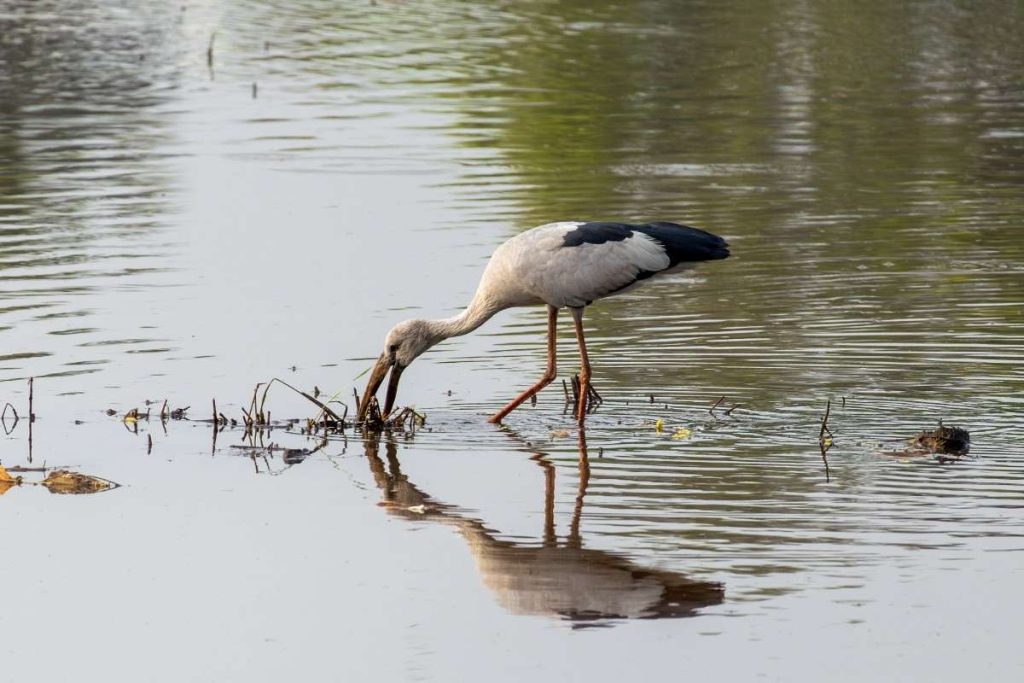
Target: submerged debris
68,482
946,444
826,439
944,440
61,481
719,403
415,419
375,421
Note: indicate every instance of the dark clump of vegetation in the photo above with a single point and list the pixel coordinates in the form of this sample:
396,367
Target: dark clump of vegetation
399,420
945,444
944,440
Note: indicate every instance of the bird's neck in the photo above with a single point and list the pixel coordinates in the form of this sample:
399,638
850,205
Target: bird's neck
479,311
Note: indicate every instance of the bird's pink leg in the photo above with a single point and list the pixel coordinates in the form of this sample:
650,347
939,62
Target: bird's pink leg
549,374
577,319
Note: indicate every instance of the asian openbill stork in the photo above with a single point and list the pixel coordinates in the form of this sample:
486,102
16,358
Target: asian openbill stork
563,265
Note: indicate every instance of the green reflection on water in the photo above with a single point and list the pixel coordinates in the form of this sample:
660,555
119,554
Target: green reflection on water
866,162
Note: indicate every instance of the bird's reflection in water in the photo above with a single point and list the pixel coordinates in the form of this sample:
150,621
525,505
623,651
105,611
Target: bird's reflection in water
556,577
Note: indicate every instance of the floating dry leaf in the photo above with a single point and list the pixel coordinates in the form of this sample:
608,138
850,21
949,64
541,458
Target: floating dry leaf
66,481
7,482
559,434
682,433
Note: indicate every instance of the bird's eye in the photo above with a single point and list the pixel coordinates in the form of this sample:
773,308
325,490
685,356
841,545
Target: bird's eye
393,348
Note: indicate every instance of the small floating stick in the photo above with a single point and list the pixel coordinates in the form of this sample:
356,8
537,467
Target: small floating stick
719,402
824,422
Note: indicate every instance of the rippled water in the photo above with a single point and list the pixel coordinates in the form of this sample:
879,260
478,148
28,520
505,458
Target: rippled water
198,196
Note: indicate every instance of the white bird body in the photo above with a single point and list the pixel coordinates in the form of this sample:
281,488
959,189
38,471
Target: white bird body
535,267
563,265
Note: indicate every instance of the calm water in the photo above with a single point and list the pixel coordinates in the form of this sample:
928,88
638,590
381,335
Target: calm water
172,228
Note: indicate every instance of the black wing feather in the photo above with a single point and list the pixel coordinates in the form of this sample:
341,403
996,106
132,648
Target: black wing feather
682,243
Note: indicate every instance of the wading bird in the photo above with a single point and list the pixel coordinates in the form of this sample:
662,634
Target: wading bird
563,265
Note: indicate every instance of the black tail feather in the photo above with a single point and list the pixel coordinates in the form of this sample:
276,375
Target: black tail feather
684,243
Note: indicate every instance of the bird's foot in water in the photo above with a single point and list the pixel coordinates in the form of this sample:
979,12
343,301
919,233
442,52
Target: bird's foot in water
584,392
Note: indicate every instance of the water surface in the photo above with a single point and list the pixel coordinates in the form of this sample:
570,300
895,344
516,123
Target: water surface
179,224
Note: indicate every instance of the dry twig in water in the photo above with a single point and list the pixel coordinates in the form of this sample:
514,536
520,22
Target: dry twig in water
719,402
824,422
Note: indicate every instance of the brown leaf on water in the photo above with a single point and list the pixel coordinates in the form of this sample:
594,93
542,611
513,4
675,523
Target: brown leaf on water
66,481
7,482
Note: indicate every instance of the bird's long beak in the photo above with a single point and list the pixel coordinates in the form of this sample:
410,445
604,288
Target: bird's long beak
380,369
389,398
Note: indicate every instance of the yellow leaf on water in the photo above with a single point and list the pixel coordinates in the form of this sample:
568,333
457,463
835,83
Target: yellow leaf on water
659,425
827,442
65,481
682,433
7,482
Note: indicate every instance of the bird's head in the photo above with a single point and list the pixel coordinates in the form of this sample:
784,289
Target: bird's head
404,344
